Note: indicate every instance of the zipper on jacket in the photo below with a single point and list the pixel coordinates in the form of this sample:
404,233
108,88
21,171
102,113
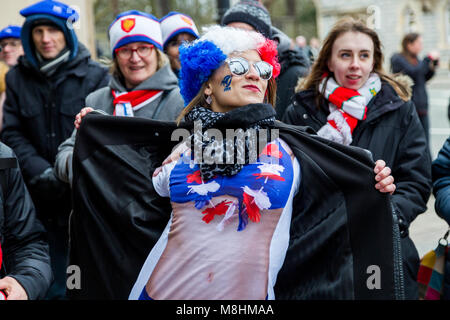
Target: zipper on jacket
399,282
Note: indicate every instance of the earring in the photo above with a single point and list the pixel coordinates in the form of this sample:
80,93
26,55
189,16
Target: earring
208,99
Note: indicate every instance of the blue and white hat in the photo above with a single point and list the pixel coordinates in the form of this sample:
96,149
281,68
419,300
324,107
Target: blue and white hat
175,23
10,32
134,26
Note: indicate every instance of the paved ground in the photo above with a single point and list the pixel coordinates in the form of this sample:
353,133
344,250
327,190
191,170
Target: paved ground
426,230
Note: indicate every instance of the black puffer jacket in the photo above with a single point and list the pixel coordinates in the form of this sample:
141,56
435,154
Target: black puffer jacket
393,133
25,252
39,111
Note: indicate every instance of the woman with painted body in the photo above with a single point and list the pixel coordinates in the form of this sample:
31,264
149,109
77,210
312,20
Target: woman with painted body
230,227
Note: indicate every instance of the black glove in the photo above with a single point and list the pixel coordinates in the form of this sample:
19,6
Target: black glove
47,186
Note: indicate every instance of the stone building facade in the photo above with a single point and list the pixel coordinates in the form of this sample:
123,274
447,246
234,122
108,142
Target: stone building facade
392,20
84,28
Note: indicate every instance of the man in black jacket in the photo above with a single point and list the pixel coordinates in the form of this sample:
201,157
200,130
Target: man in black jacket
44,93
25,273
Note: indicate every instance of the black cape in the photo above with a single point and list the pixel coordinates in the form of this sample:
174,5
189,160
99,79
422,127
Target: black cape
344,237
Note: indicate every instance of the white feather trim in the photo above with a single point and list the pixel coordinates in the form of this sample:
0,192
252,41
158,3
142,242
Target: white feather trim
261,198
231,40
204,188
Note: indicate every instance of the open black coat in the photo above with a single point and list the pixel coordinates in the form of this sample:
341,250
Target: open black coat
341,226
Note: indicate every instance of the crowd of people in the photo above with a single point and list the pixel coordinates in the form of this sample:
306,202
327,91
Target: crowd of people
332,193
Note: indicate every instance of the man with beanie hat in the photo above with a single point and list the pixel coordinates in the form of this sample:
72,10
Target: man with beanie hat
252,15
44,92
176,28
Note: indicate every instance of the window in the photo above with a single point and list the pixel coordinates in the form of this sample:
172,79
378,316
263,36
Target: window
410,21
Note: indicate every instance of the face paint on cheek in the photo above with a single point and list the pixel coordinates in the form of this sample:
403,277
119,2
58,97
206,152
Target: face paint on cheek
226,82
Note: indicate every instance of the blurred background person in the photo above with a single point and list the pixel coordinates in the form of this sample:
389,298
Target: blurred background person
314,48
11,45
420,71
301,43
10,51
176,28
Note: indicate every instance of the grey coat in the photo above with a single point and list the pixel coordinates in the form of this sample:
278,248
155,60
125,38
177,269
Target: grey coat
166,107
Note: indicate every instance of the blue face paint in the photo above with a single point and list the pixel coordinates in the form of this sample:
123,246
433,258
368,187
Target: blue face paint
226,82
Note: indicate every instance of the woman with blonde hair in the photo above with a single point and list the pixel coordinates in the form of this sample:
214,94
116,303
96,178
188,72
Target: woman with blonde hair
349,99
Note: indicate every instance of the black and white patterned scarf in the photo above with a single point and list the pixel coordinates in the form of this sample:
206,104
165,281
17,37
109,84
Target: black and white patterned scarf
252,116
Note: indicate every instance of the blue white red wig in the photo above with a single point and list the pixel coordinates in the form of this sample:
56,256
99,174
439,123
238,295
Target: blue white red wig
202,57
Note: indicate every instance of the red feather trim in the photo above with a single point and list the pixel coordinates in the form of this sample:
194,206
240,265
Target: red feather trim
269,53
252,209
195,177
268,175
273,151
218,210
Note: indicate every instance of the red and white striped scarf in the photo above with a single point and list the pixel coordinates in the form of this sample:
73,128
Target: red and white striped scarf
347,107
127,103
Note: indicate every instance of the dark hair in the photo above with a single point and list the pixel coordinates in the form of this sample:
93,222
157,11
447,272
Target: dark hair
320,66
408,39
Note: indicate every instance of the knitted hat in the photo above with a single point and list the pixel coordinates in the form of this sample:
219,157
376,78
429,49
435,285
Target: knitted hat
202,57
175,23
134,26
251,12
52,13
10,32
